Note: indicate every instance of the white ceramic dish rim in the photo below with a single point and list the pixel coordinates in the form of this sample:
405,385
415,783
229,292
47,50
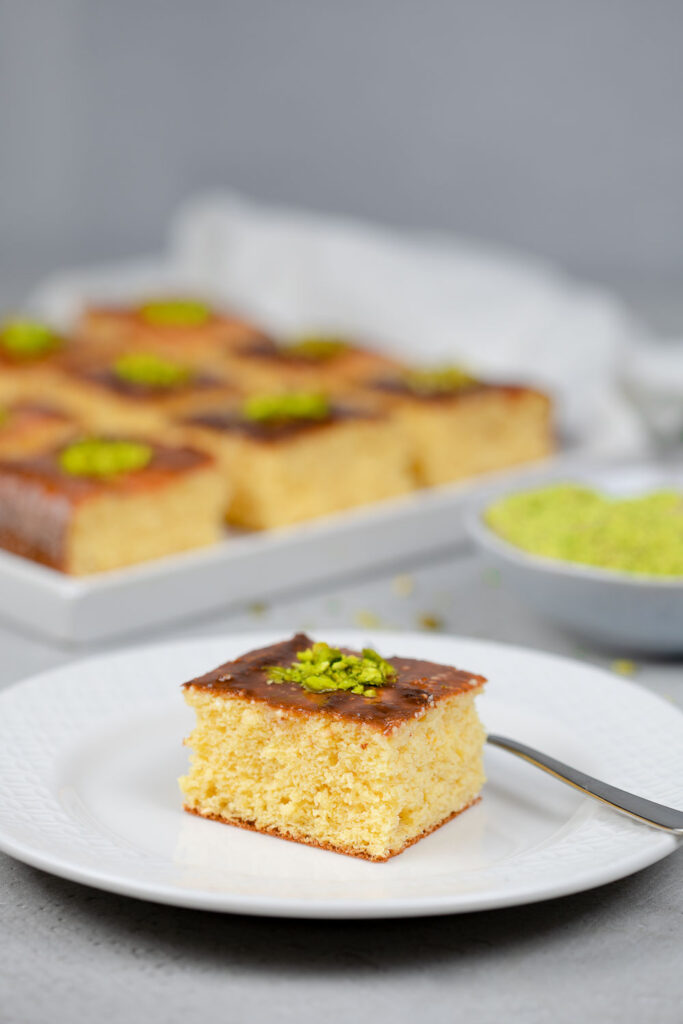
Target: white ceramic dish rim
479,530
658,846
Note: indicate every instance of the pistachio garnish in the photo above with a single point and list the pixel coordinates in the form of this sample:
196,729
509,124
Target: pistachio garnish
289,406
316,347
175,313
439,380
28,339
323,669
103,457
151,370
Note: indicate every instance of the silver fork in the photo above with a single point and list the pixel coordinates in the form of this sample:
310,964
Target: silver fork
669,819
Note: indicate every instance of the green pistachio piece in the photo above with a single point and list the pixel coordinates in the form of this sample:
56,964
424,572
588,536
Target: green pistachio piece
317,347
100,457
324,669
175,313
28,339
438,380
291,406
150,370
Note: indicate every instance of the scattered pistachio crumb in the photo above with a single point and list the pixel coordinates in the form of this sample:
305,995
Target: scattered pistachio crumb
624,667
257,608
367,619
429,621
403,585
491,577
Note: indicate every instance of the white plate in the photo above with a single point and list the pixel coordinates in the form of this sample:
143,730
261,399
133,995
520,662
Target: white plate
90,753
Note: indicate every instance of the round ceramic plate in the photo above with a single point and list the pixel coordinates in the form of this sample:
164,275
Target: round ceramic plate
90,754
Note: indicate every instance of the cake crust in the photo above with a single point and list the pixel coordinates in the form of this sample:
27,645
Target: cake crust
278,833
417,686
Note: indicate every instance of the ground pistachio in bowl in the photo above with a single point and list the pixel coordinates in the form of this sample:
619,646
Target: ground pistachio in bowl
642,535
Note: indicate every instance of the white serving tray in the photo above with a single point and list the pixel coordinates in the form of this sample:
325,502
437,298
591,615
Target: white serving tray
243,567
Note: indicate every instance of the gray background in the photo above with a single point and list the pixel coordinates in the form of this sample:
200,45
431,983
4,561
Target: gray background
554,126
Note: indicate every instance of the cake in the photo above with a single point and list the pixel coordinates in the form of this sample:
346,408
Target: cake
100,503
324,363
297,456
178,327
458,426
27,427
338,750
29,352
137,391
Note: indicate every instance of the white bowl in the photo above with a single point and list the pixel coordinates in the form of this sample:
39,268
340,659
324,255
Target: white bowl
615,609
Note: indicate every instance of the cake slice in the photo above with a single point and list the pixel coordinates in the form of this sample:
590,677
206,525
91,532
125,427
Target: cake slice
458,426
137,391
30,350
333,748
322,363
101,503
177,327
27,427
297,456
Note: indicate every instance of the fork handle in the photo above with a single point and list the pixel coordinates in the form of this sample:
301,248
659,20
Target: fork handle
657,815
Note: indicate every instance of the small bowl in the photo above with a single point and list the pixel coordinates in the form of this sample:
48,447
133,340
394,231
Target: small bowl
614,609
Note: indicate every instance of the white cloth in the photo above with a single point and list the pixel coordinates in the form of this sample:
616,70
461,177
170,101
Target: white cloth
430,297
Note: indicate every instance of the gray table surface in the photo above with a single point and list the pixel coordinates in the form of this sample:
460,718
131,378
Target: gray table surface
70,953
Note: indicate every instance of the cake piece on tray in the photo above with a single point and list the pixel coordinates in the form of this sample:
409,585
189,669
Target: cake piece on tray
459,426
187,329
27,427
29,352
101,503
333,748
137,392
296,456
322,363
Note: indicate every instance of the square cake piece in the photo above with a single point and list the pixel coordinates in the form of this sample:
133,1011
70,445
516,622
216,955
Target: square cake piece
30,351
332,748
323,363
101,503
458,426
187,329
137,391
27,427
297,456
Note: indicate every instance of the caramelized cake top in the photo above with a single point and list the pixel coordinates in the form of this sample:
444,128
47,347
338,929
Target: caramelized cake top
44,473
232,420
416,686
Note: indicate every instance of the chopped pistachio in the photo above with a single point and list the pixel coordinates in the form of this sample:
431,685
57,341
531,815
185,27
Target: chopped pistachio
318,347
440,380
323,669
99,457
367,619
431,622
175,313
28,339
291,406
623,667
576,524
403,585
151,370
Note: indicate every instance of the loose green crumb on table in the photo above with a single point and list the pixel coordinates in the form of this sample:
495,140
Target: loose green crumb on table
624,667
403,585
